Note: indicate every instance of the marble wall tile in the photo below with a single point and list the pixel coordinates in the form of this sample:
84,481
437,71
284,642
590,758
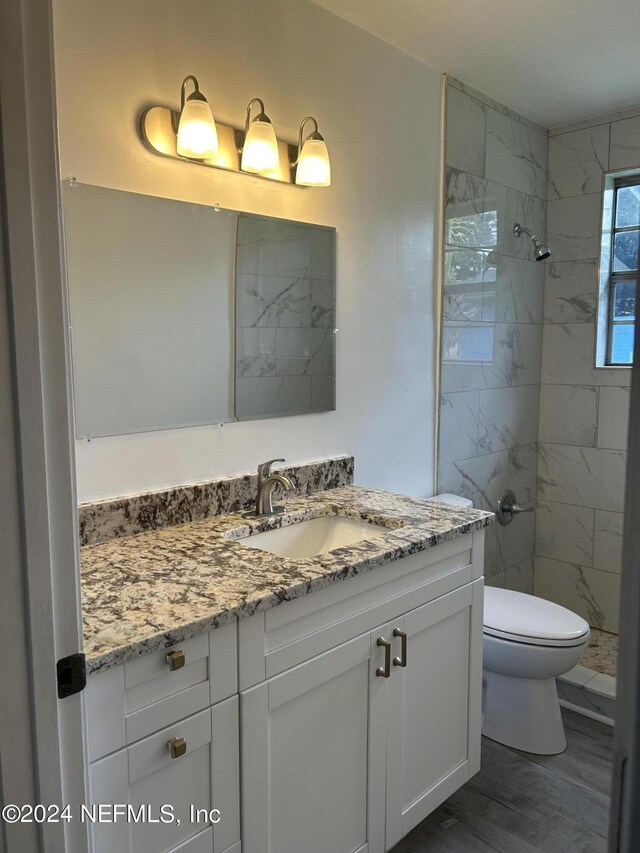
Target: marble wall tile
565,532
592,594
464,273
465,132
527,353
323,296
613,418
515,291
498,580
568,356
573,227
569,414
492,317
527,210
516,154
458,426
582,476
571,289
507,417
256,250
481,479
255,352
481,214
473,207
272,301
255,365
523,470
577,161
476,355
312,348
294,251
323,394
517,540
607,541
272,396
520,577
495,105
625,144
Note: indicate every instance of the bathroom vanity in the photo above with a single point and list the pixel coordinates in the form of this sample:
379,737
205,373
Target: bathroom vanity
325,702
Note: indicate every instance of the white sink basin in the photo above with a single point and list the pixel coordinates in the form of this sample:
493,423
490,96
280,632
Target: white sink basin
312,537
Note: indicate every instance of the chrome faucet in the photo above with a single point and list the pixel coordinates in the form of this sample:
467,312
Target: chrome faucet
266,484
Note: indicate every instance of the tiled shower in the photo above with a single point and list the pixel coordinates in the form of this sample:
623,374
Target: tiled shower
522,405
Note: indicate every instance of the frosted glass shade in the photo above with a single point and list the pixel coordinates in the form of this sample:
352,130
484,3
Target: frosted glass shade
197,134
314,167
260,152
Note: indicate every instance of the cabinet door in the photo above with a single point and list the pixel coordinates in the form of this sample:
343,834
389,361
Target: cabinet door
313,753
205,777
434,706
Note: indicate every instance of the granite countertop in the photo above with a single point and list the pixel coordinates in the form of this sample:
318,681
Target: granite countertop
144,592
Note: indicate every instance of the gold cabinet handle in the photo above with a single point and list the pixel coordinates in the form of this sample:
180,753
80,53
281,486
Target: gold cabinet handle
176,660
384,671
402,660
177,746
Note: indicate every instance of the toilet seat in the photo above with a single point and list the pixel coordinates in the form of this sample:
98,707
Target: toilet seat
520,618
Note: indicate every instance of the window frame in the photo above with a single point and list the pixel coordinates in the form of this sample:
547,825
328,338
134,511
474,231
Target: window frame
616,277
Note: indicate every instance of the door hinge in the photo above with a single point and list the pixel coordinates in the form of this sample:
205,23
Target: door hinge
72,675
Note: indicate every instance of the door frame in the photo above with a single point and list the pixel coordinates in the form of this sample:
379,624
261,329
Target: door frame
624,835
42,573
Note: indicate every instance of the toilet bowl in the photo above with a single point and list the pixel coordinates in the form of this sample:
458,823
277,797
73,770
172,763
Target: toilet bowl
527,642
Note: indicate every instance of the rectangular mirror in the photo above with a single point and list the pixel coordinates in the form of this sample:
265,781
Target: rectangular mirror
183,314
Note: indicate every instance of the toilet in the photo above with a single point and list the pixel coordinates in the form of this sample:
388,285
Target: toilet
527,643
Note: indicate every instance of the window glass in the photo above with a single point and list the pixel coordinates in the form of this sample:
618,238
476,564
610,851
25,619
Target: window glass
626,246
624,301
628,207
622,344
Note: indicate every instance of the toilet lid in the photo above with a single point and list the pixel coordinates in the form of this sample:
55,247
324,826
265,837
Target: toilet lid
527,618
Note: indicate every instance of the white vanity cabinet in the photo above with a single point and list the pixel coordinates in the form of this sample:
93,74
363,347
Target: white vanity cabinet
344,748
349,714
162,736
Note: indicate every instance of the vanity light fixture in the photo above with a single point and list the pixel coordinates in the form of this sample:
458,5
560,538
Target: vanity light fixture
197,136
192,134
312,165
260,150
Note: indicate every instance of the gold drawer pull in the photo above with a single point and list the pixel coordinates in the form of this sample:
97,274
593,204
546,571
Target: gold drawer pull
177,746
176,660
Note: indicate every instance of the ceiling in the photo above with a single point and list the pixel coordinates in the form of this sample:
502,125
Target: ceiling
554,61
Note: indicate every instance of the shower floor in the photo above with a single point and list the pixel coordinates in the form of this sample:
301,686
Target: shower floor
602,654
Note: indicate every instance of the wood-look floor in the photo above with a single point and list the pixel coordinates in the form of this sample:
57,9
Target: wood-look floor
521,803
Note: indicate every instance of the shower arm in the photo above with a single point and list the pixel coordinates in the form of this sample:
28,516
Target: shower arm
522,229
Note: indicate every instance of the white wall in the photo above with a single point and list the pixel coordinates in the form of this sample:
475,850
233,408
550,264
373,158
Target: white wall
380,113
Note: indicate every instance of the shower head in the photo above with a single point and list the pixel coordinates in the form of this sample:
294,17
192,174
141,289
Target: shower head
540,251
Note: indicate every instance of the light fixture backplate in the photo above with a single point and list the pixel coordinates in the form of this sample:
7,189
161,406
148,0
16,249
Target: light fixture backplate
158,128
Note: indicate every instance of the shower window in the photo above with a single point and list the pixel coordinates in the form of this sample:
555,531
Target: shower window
620,262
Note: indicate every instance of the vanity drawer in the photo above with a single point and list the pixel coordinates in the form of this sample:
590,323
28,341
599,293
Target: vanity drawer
203,772
131,701
287,635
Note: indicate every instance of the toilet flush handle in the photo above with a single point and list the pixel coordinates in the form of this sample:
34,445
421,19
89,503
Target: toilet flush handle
508,506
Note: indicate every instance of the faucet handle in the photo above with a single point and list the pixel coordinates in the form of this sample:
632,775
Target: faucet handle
264,470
